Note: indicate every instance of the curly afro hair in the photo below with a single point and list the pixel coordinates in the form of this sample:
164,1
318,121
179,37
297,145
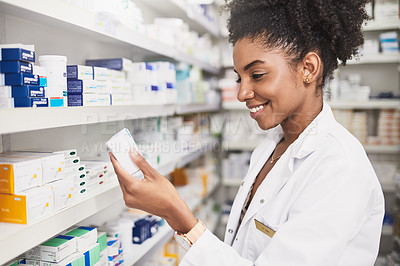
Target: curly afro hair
332,28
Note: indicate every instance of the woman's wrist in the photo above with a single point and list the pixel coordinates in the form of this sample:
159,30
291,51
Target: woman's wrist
180,218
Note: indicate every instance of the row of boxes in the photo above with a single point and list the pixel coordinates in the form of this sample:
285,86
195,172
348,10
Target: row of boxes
22,84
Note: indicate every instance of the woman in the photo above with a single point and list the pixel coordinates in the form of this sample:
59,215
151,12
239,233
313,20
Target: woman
310,196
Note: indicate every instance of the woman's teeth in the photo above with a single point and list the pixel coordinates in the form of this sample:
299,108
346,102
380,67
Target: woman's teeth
258,108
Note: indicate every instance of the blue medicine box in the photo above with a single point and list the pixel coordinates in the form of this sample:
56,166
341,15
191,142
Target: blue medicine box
27,91
79,72
76,86
42,82
113,63
75,99
31,102
12,54
15,67
19,79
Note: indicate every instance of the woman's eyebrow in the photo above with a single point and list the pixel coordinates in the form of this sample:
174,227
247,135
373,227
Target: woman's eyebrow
255,62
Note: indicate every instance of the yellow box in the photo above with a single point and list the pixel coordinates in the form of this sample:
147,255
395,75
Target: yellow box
18,174
26,207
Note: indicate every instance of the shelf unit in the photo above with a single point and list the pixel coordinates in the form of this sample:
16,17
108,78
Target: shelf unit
371,104
379,25
59,14
16,238
49,117
376,59
177,9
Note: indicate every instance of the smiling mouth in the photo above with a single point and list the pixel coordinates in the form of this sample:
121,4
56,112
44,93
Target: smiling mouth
258,108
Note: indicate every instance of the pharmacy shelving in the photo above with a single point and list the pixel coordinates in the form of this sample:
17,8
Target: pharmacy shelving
379,25
59,14
376,59
16,238
182,9
383,149
343,104
231,182
26,119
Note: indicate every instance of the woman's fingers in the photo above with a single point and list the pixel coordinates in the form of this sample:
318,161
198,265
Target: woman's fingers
142,164
123,176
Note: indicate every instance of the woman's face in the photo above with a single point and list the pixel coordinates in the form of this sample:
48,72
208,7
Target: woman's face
270,87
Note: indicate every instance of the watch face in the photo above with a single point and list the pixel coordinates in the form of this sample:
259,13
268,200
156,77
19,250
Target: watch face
182,242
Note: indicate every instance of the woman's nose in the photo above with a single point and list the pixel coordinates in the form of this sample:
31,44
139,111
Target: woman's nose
244,93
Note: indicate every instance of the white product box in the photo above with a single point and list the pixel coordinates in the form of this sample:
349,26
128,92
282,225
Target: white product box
94,168
121,88
101,73
74,259
140,73
52,164
6,102
121,99
117,76
5,92
68,153
120,145
74,160
17,174
63,193
80,72
54,250
96,100
103,86
85,236
26,207
77,169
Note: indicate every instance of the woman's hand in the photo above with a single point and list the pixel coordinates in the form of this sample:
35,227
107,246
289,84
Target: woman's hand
153,194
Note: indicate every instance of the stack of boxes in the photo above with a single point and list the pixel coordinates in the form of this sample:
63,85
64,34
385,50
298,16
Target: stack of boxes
86,89
27,186
97,174
21,83
113,73
80,246
389,42
389,127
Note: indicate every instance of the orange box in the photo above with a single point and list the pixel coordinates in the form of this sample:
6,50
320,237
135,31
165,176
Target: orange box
18,174
26,207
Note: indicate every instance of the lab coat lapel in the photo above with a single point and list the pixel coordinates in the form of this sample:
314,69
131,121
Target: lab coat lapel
269,188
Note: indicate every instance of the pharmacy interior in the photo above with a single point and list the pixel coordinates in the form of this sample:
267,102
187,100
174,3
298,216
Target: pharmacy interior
76,72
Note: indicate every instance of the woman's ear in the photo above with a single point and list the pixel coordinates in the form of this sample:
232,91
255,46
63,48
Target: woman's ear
311,68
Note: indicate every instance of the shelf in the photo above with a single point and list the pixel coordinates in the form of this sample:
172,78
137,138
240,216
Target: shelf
382,149
141,253
241,146
196,108
180,9
25,119
234,105
60,14
376,59
232,182
377,25
371,104
16,238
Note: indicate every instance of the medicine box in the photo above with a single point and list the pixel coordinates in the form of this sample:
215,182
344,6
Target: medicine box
81,86
53,250
17,174
5,92
42,72
89,100
19,79
112,63
79,72
6,102
75,169
28,91
72,161
68,153
101,74
11,54
102,240
63,193
31,102
26,207
52,164
121,99
120,144
86,237
76,259
56,101
92,255
15,67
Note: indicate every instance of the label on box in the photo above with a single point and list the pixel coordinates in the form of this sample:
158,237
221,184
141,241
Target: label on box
31,102
9,54
16,67
80,72
28,91
21,79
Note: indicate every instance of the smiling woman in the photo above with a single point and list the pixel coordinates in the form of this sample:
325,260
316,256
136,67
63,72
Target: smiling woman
310,196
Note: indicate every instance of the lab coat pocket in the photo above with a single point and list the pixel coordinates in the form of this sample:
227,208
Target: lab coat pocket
262,231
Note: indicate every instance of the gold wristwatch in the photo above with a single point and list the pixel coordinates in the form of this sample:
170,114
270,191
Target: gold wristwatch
187,240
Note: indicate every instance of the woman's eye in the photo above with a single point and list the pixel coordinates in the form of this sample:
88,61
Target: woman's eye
257,76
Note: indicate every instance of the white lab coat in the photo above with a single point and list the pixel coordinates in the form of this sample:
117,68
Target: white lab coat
322,198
